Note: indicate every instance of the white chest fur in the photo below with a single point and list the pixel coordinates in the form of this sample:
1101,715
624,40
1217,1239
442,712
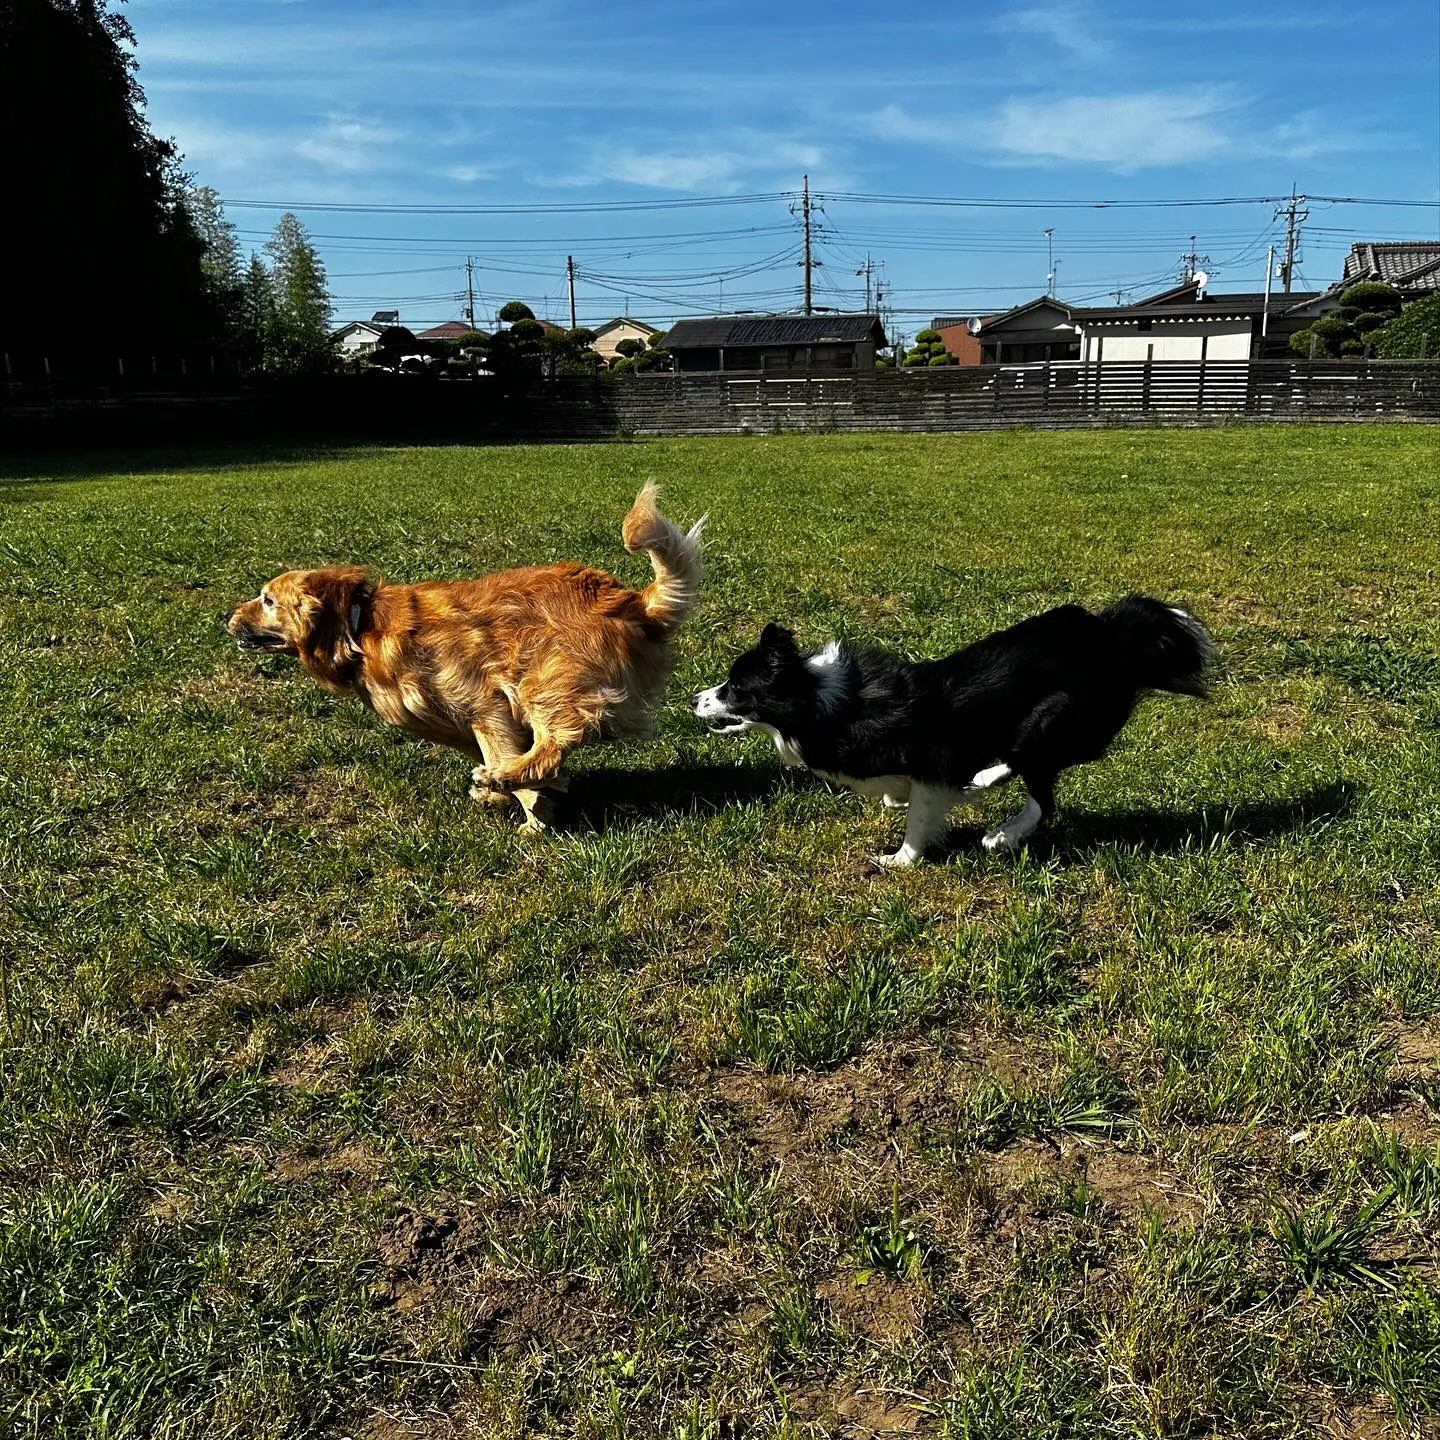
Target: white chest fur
789,749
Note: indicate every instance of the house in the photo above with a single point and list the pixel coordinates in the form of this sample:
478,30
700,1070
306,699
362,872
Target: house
357,338
609,335
958,335
1411,266
777,344
449,330
1187,322
1040,329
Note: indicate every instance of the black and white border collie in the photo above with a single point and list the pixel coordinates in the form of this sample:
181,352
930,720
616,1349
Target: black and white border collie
1033,700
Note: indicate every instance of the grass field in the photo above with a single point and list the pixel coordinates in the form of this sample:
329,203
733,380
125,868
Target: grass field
333,1106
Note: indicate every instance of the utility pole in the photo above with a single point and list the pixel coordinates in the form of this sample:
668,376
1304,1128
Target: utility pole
1269,276
1190,262
867,269
1294,216
808,262
470,291
1049,260
570,276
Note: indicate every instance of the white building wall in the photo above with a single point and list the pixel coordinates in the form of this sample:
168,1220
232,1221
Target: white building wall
1170,340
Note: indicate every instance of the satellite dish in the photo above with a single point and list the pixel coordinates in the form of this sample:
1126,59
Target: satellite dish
973,324
1201,280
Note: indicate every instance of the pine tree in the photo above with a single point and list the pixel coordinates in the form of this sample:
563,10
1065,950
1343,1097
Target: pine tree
297,334
252,314
221,260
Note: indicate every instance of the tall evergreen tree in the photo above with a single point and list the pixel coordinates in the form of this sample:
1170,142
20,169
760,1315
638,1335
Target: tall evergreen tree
252,317
221,261
298,333
98,223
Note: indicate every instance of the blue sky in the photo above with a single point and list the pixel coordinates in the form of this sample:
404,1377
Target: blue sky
551,102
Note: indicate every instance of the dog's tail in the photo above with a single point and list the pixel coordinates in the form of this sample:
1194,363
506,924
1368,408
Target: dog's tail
674,553
1158,646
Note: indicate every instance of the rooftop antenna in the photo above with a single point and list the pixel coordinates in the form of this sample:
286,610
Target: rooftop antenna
1049,260
1188,263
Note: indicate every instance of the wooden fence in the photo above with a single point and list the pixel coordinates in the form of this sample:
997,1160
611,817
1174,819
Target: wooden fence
1058,394
1054,394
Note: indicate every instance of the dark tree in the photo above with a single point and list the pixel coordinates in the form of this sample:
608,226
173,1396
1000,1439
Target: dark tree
1351,328
96,221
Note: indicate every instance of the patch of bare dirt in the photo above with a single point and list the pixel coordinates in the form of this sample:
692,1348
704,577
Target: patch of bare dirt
872,1097
427,1259
861,1412
1280,721
307,1063
1414,1123
351,1165
881,1309
1417,1048
1361,1420
1134,1184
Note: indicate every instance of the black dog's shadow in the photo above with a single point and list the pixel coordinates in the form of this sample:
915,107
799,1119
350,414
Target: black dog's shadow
616,799
1075,834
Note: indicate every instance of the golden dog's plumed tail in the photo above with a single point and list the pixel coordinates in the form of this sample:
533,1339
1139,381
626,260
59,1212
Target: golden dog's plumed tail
674,553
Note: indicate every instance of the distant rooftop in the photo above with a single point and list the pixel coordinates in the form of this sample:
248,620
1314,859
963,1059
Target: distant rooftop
1405,264
736,331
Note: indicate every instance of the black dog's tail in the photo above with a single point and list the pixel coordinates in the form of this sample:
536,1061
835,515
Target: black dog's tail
1158,646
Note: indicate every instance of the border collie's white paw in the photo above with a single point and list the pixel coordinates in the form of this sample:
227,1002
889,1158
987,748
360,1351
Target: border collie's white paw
993,775
892,802
900,860
1001,839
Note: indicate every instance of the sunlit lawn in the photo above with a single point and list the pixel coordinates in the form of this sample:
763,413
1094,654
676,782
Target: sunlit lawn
332,1105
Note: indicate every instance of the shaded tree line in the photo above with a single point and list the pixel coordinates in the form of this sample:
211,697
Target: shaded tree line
104,227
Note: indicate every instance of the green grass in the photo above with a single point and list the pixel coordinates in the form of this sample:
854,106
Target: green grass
330,1105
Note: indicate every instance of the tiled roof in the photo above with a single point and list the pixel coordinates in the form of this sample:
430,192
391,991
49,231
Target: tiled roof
448,330
1406,264
993,322
1207,306
742,330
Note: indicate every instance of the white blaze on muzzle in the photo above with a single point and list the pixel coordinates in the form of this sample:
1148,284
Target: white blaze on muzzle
712,710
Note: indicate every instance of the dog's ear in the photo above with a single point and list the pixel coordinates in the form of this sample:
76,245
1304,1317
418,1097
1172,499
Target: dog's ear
777,637
335,598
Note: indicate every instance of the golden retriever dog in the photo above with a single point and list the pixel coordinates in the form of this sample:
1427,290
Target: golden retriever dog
517,668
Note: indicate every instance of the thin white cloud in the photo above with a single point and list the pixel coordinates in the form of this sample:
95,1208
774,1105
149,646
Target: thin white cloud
740,161
348,143
1065,26
1121,132
1125,132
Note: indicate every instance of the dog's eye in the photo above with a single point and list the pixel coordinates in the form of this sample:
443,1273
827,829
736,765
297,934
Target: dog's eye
268,601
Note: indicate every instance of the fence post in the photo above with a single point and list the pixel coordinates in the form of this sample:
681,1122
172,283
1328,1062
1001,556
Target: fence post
1200,378
1045,394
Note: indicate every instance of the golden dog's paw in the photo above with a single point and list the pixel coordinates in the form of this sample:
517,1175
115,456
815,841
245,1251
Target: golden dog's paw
501,798
533,825
483,778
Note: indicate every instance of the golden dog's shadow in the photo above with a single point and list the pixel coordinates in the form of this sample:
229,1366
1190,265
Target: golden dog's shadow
617,799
